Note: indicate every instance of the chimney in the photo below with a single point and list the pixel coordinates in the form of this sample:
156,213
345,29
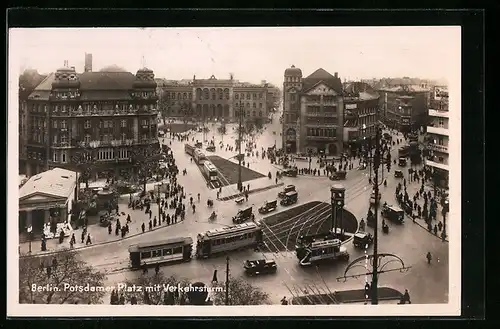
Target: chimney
336,75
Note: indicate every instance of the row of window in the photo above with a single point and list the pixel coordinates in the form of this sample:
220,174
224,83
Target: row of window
58,156
179,96
42,108
321,120
248,96
161,252
246,236
110,154
247,113
327,251
88,124
292,79
254,105
321,132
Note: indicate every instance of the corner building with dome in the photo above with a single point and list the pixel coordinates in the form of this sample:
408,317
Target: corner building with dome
102,117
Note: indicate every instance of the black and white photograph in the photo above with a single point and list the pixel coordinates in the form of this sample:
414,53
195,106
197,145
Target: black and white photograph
191,171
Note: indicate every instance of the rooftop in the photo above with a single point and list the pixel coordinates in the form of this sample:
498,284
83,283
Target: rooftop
321,75
56,182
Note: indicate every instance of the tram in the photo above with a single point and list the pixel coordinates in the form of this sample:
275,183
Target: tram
158,252
229,238
189,149
210,171
199,157
316,251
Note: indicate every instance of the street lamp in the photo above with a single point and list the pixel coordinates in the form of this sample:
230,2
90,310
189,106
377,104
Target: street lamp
240,136
376,259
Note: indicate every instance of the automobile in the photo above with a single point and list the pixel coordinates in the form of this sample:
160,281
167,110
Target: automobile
288,188
239,200
398,174
243,215
210,148
289,198
387,136
198,145
292,172
362,240
268,207
393,213
260,266
338,175
402,162
362,166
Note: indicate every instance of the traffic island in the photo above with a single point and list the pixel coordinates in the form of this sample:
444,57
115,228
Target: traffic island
282,230
261,189
228,171
346,297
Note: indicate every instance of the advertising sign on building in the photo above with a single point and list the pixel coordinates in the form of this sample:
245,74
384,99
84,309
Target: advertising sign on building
351,106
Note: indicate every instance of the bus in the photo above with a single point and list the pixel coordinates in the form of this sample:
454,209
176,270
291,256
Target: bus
189,149
210,171
199,157
157,252
229,238
316,251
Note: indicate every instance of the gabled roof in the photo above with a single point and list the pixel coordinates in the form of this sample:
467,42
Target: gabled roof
57,182
320,75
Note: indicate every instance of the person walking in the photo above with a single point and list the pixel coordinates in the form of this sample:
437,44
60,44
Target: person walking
429,258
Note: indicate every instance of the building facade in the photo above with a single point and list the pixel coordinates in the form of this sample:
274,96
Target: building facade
405,107
100,117
438,136
322,116
214,99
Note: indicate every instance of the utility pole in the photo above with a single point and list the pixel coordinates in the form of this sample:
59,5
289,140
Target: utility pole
227,280
376,164
240,155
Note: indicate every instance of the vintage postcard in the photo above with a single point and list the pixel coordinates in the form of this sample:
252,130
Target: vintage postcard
292,171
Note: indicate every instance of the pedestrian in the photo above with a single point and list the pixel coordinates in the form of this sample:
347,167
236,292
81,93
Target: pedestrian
89,241
143,227
429,257
150,225
83,236
157,269
110,229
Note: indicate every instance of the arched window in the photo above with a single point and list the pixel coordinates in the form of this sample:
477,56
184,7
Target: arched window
254,113
184,96
226,93
236,96
212,92
248,95
179,96
206,93
199,93
248,105
220,94
254,105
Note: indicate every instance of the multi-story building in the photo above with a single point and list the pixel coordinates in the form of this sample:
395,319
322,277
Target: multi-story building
361,104
214,99
405,107
438,135
28,80
104,117
321,115
313,112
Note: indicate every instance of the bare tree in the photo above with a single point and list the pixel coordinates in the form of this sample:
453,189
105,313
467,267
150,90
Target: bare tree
59,279
240,293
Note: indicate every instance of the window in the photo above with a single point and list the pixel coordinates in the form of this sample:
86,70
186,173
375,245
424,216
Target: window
292,98
54,156
146,254
54,139
124,137
64,139
254,113
260,105
260,113
123,123
167,252
54,124
248,104
64,124
441,122
87,124
87,139
63,157
178,250
254,96
156,253
260,96
254,105
63,108
248,95
236,96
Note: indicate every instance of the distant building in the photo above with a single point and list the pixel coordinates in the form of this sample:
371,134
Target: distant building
103,116
405,107
321,115
438,135
88,63
213,99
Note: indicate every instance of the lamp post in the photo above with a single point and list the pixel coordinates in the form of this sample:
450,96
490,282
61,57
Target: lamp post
377,266
240,155
30,237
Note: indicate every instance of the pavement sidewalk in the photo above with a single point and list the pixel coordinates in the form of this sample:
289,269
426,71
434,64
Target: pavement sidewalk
345,297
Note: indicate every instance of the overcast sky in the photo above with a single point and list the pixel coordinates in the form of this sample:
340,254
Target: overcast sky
252,54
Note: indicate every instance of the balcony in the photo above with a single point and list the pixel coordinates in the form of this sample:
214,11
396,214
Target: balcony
438,114
438,148
439,165
116,142
438,131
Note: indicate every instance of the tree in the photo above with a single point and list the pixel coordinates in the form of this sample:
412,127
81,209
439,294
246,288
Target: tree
156,290
240,293
62,278
146,162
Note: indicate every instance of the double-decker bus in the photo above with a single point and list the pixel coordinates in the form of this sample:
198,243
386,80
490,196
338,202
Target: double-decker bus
310,253
228,238
210,171
157,252
199,157
189,149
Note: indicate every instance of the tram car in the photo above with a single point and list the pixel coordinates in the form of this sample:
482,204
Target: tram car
327,250
199,157
159,252
210,171
242,236
189,149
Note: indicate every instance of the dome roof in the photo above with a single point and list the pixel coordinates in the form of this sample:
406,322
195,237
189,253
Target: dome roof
113,68
293,71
